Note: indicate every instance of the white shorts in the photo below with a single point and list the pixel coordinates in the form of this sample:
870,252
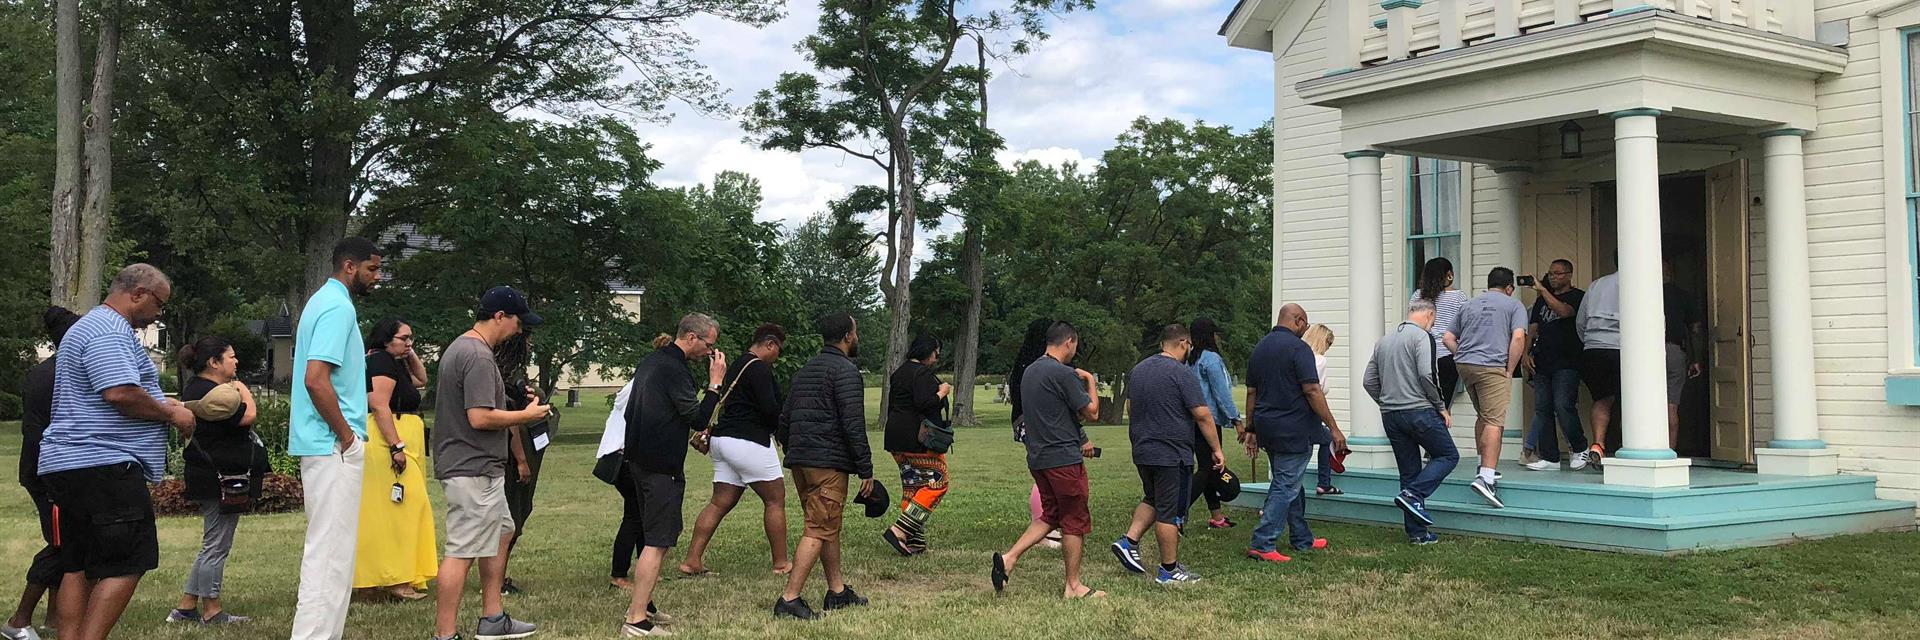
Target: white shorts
743,462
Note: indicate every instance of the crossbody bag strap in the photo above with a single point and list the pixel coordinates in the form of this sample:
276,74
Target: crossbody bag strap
728,393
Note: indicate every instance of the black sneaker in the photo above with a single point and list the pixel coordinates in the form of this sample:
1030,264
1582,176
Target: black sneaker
845,598
507,588
795,608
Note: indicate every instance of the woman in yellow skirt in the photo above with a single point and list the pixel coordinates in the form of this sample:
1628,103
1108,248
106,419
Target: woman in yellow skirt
397,547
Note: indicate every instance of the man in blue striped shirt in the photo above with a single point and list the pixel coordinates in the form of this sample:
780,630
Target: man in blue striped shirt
106,441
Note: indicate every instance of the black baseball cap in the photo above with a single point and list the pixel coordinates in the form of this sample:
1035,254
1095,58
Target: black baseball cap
876,502
504,298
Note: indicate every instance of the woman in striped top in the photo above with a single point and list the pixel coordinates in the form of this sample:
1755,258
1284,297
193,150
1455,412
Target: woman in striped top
1436,284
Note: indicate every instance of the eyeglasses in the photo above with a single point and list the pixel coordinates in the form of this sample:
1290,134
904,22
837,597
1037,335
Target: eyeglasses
1559,273
406,339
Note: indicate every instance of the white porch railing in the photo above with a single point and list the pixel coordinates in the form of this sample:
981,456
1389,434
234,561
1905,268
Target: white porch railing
1364,33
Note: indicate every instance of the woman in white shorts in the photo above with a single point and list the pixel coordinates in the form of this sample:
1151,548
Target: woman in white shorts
742,449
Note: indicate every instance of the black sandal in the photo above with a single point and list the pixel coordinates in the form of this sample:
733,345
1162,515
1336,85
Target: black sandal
999,573
1328,491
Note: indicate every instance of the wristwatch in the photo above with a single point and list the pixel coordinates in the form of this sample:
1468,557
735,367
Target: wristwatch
397,447
713,388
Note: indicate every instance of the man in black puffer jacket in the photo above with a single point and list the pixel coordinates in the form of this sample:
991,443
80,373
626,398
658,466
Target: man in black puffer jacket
824,430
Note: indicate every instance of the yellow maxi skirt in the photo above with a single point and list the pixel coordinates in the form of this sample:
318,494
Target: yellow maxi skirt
397,544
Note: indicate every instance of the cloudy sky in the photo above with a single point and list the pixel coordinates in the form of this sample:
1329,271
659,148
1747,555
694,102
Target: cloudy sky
1066,100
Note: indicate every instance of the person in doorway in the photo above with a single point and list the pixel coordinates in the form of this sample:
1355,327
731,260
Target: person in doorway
665,407
1553,366
105,441
1597,322
1685,343
1058,397
918,397
1164,409
223,446
1289,411
472,418
1216,385
36,411
741,444
1032,347
398,550
1436,286
1488,339
527,444
824,427
1400,378
1319,337
327,430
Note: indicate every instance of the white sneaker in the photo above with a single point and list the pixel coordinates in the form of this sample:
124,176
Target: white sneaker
23,633
1543,465
1584,459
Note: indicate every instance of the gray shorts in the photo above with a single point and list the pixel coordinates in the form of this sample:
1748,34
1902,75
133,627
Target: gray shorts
1676,372
477,515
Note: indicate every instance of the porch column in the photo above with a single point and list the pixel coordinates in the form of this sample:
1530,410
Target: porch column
1366,307
1513,181
1796,448
1641,413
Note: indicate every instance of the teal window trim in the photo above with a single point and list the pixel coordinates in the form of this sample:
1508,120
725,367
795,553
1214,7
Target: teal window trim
1913,186
1409,205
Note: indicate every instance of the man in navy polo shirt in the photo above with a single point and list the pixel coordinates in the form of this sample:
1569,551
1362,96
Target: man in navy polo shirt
1289,408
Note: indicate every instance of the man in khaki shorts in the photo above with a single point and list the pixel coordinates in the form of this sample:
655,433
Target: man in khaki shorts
470,453
823,426
1488,338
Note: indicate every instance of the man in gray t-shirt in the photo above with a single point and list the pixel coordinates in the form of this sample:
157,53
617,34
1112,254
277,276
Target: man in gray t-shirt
1164,406
1487,340
1056,398
470,458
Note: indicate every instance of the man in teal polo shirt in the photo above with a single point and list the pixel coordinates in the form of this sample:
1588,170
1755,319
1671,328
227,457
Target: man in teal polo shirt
328,430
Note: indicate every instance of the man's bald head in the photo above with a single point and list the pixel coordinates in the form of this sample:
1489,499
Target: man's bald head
1293,317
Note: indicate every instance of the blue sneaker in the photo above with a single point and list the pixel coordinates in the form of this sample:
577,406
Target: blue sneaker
183,615
1414,506
1129,554
1425,540
1178,576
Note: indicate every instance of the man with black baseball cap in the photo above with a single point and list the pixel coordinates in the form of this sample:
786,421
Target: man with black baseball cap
470,453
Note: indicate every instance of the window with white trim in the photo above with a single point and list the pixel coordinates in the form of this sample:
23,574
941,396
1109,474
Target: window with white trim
1433,215
1910,44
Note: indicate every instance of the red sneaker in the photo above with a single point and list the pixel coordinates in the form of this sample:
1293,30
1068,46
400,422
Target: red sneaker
1267,556
1319,543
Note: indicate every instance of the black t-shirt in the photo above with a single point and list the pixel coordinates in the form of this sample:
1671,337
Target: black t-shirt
1558,346
36,411
228,448
752,409
405,397
1683,310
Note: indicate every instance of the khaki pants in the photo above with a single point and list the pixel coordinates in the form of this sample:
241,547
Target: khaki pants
332,487
1491,389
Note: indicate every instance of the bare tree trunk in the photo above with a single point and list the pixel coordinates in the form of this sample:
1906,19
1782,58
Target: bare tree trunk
900,308
334,47
96,215
967,353
64,248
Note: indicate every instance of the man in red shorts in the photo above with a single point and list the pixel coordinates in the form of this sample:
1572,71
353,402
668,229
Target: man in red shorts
1057,397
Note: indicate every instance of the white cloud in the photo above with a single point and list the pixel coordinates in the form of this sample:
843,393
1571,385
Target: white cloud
1066,100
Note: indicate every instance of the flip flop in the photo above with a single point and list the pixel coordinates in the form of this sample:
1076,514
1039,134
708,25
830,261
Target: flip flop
704,571
1329,491
899,545
1091,594
999,573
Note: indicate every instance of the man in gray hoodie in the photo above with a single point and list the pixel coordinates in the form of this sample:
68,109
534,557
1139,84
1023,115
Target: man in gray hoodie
1400,377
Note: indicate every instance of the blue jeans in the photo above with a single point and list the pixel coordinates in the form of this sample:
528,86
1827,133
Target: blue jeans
1323,461
1409,432
1556,398
1286,503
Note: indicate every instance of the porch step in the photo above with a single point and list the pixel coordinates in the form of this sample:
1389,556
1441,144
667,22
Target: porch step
1721,509
1713,491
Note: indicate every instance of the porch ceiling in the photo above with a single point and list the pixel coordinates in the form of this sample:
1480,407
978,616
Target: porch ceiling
1472,99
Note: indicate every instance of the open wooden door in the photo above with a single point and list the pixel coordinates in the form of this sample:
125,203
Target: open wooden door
1729,373
1561,213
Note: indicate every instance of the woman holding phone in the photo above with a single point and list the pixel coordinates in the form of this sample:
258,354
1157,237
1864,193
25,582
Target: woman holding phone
397,547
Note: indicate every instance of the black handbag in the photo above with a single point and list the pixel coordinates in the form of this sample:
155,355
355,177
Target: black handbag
934,435
607,468
236,489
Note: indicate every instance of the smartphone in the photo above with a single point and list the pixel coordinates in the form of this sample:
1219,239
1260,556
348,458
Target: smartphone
1096,453
1526,281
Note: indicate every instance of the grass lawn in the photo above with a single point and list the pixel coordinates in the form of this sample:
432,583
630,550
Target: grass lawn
1370,584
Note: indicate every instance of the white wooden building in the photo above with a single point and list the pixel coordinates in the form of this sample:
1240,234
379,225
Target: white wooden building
1766,146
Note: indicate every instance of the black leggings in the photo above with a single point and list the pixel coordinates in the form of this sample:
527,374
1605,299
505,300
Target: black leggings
1449,381
626,543
1203,471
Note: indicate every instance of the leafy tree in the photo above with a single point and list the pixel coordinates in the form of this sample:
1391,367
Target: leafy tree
284,115
893,94
26,173
83,160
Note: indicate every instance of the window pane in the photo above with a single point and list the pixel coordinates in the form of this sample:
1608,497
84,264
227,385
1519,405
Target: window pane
1447,203
1913,152
1913,69
1420,251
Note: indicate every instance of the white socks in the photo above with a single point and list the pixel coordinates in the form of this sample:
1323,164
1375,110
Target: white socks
1487,475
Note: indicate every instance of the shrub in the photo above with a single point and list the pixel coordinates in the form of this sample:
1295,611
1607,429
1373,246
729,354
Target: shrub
10,406
278,494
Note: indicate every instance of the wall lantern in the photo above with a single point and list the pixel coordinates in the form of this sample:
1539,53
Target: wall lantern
1570,140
